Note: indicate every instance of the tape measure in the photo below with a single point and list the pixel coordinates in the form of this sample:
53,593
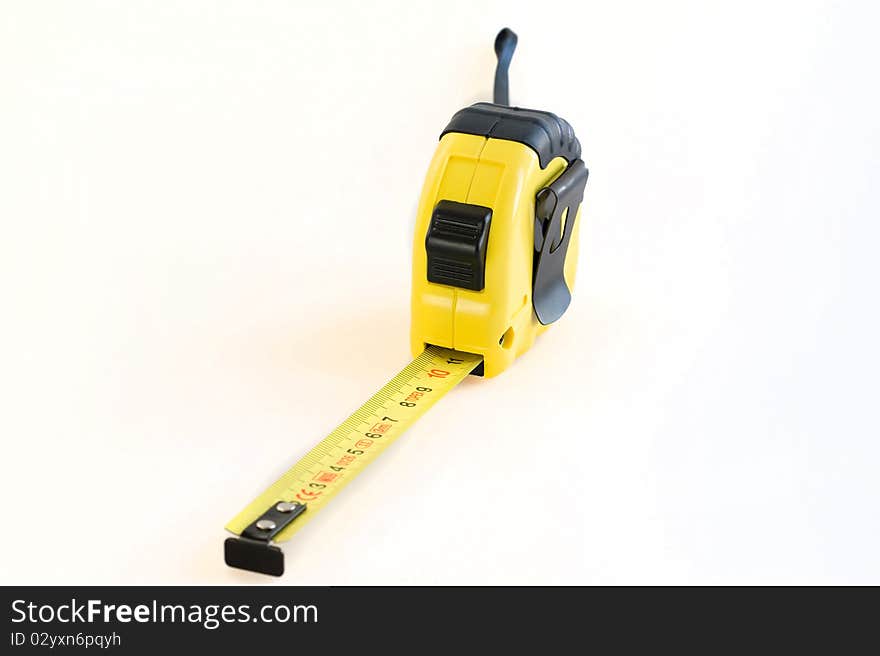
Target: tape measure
493,266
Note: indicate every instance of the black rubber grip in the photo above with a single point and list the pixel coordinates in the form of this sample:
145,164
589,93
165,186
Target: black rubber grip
545,133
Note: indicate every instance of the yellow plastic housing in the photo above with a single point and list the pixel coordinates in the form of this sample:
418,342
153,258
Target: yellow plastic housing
497,322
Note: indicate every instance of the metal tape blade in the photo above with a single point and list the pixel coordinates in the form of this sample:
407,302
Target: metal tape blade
338,458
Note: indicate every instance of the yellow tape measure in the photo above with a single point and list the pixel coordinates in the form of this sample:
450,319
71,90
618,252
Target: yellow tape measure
289,503
494,262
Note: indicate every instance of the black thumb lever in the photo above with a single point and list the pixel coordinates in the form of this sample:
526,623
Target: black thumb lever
505,44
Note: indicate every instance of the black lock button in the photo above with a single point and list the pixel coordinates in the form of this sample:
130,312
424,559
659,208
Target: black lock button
456,245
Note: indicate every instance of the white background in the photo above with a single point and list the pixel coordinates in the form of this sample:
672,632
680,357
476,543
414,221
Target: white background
207,215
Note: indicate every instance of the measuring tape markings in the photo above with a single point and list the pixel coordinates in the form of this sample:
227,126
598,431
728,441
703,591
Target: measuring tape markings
347,450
